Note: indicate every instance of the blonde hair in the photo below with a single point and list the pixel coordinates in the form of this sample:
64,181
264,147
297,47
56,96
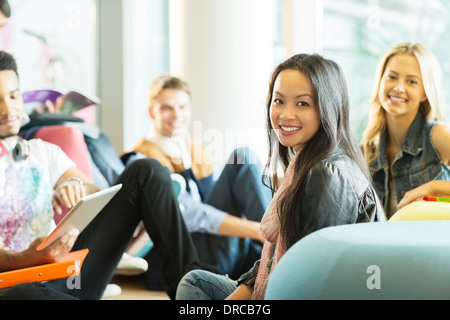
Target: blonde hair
165,82
432,108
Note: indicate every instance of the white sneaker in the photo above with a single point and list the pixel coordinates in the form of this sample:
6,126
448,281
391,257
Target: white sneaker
111,290
131,266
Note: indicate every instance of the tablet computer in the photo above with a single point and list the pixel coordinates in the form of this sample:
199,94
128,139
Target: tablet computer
81,214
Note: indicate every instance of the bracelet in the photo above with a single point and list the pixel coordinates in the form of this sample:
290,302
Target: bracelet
75,179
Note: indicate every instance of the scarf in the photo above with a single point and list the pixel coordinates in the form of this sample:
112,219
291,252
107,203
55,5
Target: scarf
274,247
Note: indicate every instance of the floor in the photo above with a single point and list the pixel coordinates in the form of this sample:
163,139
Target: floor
133,288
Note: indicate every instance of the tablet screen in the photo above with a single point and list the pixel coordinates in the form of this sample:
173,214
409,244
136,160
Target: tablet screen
81,214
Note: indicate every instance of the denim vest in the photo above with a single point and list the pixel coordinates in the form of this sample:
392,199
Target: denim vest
416,163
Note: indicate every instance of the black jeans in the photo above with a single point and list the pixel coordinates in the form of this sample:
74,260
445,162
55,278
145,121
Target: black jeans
147,195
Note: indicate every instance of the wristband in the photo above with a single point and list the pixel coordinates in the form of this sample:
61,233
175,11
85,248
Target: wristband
75,179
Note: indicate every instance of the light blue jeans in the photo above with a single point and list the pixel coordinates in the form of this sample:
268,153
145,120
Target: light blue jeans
205,285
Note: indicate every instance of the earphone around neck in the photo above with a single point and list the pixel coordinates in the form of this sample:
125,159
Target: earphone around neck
19,152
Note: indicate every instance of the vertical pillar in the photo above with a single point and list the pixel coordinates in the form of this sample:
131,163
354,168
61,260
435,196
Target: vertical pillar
302,26
111,75
146,56
224,49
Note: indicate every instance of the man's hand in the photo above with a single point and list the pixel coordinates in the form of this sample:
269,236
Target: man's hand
30,257
51,107
67,194
232,226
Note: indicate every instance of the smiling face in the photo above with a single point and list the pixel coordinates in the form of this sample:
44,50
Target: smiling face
11,104
401,87
171,112
293,111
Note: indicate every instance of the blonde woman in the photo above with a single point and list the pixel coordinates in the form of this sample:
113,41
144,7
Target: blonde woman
406,143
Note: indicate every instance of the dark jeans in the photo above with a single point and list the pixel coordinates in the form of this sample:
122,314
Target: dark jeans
239,191
147,195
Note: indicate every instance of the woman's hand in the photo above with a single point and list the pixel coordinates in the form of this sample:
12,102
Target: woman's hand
431,188
413,195
243,292
51,107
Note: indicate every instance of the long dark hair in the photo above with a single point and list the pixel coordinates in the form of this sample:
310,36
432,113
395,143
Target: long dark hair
5,8
331,97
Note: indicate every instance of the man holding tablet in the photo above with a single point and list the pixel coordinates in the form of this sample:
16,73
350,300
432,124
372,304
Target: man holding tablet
37,178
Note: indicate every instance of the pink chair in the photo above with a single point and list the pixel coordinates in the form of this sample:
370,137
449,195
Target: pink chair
71,141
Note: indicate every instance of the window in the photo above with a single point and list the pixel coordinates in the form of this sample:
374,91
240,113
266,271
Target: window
356,33
54,43
146,56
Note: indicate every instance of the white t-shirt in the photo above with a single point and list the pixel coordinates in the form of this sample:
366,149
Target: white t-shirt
26,191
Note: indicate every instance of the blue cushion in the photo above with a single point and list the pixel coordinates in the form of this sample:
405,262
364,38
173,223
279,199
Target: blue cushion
381,260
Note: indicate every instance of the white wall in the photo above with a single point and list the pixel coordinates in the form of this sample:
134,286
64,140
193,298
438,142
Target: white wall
225,50
302,26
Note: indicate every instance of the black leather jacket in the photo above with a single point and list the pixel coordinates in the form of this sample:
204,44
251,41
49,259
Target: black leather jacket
337,193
